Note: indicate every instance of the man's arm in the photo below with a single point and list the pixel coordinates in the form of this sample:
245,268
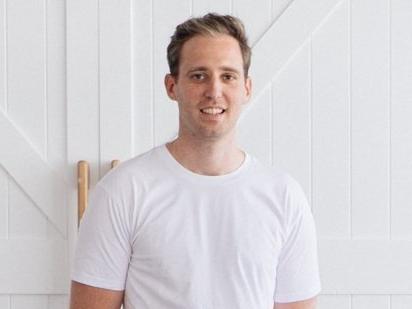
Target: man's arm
305,304
84,296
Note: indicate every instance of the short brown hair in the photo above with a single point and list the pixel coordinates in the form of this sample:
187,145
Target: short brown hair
209,24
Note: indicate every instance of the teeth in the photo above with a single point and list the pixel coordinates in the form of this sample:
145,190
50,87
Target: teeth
212,110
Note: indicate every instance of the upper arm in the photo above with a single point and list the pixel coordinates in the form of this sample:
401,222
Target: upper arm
297,270
84,296
304,304
103,249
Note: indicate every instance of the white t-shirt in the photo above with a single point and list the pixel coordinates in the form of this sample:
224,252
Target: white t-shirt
175,239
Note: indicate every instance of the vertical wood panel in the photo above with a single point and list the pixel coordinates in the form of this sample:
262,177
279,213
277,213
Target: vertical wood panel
58,302
28,301
334,302
370,301
401,136
4,204
256,121
365,266
56,94
82,100
34,266
255,15
82,86
166,16
292,108
3,63
115,82
331,126
401,302
56,85
370,114
4,301
26,65
142,66
25,219
201,7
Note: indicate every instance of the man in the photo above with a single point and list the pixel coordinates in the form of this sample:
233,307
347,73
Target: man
197,222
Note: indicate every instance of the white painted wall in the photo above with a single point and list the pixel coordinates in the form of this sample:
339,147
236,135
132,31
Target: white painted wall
83,80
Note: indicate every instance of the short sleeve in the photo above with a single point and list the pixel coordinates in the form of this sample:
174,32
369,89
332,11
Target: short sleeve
103,248
297,276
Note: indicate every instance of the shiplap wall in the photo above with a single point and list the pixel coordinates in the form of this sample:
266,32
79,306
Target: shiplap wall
33,155
332,106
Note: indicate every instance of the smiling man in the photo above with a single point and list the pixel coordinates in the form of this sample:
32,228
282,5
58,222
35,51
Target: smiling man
198,222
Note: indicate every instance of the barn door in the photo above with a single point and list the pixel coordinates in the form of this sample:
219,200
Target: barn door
83,80
34,176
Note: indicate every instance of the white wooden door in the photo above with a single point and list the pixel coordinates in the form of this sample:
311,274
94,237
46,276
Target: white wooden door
83,80
34,179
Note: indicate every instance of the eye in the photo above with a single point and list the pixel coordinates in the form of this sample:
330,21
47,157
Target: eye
197,76
229,77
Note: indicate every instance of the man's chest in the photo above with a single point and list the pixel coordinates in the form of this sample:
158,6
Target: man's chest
191,235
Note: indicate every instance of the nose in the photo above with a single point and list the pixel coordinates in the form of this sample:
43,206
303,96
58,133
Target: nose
213,89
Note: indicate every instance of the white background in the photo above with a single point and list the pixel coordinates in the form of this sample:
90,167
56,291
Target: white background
83,80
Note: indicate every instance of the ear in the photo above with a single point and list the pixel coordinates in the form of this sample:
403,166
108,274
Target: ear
170,82
248,88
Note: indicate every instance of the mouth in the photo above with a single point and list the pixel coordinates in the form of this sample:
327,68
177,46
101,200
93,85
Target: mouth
212,111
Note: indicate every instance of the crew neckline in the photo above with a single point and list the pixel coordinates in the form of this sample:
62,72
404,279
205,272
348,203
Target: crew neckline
182,171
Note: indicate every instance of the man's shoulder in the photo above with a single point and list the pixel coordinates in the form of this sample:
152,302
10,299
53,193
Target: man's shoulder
289,187
273,174
132,172
278,180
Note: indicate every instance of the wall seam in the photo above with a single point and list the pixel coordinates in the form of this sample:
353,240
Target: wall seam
132,79
8,207
66,108
153,74
99,130
350,114
272,126
311,118
5,57
272,103
390,119
45,85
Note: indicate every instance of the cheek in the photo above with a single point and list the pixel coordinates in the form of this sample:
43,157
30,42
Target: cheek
189,96
237,99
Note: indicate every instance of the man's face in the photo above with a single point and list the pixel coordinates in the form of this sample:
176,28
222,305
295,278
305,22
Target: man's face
210,77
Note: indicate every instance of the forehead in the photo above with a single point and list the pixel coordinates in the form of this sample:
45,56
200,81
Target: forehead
210,51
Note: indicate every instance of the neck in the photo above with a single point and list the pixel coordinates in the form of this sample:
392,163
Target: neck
210,158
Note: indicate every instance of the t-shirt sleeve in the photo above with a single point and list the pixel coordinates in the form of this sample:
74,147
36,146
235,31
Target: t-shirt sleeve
103,248
297,276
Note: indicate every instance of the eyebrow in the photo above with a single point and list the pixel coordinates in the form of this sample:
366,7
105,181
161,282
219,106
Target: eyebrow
223,68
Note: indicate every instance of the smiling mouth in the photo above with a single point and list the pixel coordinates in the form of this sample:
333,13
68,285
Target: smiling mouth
213,111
